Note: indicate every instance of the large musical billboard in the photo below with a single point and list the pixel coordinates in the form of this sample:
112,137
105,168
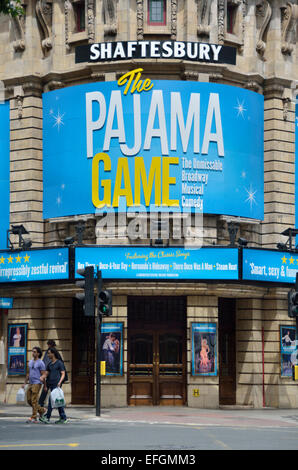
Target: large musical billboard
4,172
153,145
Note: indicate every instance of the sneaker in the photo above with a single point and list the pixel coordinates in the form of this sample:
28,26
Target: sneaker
61,421
32,421
44,420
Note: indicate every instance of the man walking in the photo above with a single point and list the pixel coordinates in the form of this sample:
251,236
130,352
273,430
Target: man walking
55,374
35,376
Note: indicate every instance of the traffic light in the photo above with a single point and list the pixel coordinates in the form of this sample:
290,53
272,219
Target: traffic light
293,304
295,372
88,285
105,303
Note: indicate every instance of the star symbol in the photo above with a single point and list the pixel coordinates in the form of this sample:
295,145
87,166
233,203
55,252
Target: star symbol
18,258
58,120
10,259
284,259
26,258
240,108
2,259
291,260
251,196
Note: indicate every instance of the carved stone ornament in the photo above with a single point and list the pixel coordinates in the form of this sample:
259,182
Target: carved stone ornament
264,14
18,93
221,21
19,23
204,8
109,8
44,17
140,20
173,19
289,20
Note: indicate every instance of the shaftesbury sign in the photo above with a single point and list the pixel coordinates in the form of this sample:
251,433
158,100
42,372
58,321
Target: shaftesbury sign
127,50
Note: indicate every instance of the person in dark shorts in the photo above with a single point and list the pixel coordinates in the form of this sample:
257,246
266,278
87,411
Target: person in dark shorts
55,373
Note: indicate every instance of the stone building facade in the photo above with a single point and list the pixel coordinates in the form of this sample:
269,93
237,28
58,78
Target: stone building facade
37,55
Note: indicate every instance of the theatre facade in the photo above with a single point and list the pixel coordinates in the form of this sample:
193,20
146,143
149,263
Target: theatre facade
154,141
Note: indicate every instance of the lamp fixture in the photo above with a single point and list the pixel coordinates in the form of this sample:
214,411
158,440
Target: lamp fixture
288,246
19,230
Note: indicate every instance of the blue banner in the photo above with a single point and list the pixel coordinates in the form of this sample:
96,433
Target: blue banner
160,263
6,302
269,265
34,265
4,173
183,146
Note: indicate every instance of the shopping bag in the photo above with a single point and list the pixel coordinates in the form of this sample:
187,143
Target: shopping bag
20,396
57,397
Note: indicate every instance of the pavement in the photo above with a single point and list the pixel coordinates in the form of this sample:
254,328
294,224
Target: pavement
226,417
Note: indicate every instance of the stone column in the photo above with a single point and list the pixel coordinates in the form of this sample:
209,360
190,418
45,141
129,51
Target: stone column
26,179
279,161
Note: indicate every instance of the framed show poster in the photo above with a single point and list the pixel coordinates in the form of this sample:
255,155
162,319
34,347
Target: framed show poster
288,350
204,349
112,347
17,348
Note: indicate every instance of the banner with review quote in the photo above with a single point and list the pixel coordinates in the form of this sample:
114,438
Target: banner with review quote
153,145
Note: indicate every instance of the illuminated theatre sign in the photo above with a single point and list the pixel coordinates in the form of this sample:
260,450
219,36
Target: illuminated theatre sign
183,50
151,146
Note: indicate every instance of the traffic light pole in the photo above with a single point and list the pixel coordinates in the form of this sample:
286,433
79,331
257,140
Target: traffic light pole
98,347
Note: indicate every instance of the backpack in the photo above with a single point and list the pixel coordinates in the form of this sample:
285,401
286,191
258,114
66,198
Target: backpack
66,375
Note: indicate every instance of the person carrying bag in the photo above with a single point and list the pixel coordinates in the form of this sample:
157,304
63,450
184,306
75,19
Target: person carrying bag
55,374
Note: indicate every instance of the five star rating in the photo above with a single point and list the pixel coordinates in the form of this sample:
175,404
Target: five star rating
291,260
11,259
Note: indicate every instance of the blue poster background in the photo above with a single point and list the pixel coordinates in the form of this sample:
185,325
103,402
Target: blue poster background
160,263
34,265
237,189
4,173
269,265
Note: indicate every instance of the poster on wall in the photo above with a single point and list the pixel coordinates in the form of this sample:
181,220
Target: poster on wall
17,349
204,349
288,349
112,347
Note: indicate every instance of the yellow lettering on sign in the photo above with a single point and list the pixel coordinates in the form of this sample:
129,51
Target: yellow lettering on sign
122,170
136,85
158,175
167,180
106,184
141,180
